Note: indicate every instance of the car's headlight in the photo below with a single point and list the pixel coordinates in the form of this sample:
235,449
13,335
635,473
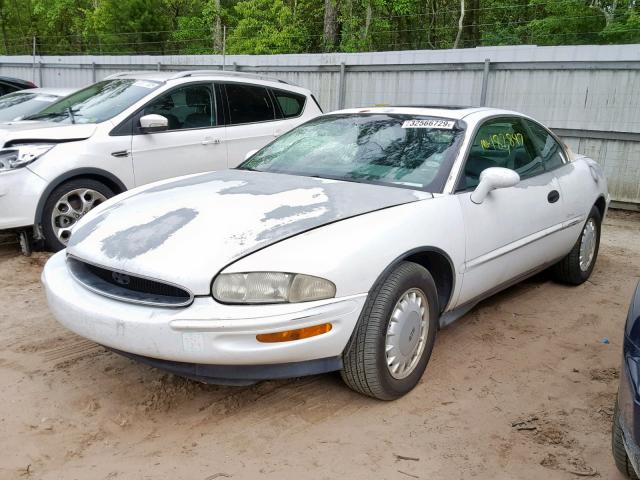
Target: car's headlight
270,287
21,155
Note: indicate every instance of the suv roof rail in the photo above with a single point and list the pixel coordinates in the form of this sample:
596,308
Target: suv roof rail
192,73
116,75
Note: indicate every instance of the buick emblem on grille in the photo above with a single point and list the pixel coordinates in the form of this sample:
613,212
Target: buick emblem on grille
121,278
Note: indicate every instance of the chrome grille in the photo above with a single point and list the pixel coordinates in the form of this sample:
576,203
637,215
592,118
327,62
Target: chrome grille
126,287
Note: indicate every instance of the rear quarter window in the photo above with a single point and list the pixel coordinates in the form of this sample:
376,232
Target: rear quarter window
290,104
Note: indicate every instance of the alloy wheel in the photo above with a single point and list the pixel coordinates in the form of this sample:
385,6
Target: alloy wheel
70,208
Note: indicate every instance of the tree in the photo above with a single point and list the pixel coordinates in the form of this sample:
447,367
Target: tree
266,27
330,31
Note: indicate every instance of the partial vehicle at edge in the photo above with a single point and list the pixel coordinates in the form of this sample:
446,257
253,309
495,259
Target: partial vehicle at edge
625,435
23,103
129,130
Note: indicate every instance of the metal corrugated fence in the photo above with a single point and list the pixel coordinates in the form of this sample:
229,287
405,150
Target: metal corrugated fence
589,94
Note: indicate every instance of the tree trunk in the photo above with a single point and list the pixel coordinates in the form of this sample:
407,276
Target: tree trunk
3,19
460,25
367,21
470,32
217,28
330,33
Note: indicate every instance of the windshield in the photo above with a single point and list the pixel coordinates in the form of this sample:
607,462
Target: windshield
19,104
97,103
400,150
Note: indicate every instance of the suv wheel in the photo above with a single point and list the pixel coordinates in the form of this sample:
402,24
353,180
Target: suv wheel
67,204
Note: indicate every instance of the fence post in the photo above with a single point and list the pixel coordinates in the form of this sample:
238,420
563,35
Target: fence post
40,73
159,66
341,86
485,82
93,72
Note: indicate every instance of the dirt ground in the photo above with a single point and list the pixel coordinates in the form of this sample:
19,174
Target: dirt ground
520,388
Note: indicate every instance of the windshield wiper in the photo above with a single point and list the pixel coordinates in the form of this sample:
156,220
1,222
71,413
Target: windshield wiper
70,111
43,115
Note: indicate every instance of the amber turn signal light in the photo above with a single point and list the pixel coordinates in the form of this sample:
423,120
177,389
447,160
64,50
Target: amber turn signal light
298,334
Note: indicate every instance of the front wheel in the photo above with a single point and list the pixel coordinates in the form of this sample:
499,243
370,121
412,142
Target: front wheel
617,447
577,266
66,205
394,337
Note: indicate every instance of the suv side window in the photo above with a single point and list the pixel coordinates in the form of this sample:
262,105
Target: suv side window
291,104
550,151
500,142
191,106
248,103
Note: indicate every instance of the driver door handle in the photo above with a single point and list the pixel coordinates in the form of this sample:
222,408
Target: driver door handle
211,141
553,196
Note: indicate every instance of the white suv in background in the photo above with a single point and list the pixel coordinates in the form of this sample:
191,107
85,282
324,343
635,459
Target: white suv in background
131,129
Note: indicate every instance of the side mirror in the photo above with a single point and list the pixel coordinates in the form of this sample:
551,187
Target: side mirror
250,154
153,123
492,179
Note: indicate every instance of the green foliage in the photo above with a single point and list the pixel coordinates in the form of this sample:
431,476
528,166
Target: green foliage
292,26
266,27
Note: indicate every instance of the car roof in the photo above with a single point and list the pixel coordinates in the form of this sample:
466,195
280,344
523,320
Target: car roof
454,112
225,75
17,81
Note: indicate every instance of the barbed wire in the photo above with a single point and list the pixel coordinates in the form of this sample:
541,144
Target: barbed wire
180,42
437,13
378,31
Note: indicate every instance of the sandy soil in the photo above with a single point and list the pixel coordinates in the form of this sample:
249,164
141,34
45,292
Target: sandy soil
522,387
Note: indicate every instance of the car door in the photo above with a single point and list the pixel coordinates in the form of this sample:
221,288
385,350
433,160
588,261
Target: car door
572,181
194,141
252,120
515,230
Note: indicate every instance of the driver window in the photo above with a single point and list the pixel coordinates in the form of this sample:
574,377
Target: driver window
186,107
500,142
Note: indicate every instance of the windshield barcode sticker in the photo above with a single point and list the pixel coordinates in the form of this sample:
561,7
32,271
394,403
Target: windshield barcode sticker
445,124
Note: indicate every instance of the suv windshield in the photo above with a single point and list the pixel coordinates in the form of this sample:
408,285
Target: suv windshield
400,150
97,103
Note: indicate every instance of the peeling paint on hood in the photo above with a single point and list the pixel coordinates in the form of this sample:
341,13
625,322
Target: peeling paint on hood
185,231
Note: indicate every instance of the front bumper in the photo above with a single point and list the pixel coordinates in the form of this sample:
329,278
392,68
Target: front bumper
205,332
20,192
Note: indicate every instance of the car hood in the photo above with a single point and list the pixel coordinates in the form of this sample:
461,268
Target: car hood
186,230
35,130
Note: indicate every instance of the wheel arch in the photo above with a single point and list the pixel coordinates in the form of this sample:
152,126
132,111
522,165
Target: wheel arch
109,179
439,265
601,205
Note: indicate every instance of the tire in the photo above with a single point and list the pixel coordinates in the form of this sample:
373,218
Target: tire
617,448
569,269
365,360
77,203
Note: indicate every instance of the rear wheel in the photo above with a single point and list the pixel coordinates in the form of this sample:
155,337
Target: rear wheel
617,447
66,205
577,266
394,337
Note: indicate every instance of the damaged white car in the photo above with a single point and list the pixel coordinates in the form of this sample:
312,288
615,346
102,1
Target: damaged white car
345,245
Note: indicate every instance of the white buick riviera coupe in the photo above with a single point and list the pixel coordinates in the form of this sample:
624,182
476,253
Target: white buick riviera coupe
344,244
